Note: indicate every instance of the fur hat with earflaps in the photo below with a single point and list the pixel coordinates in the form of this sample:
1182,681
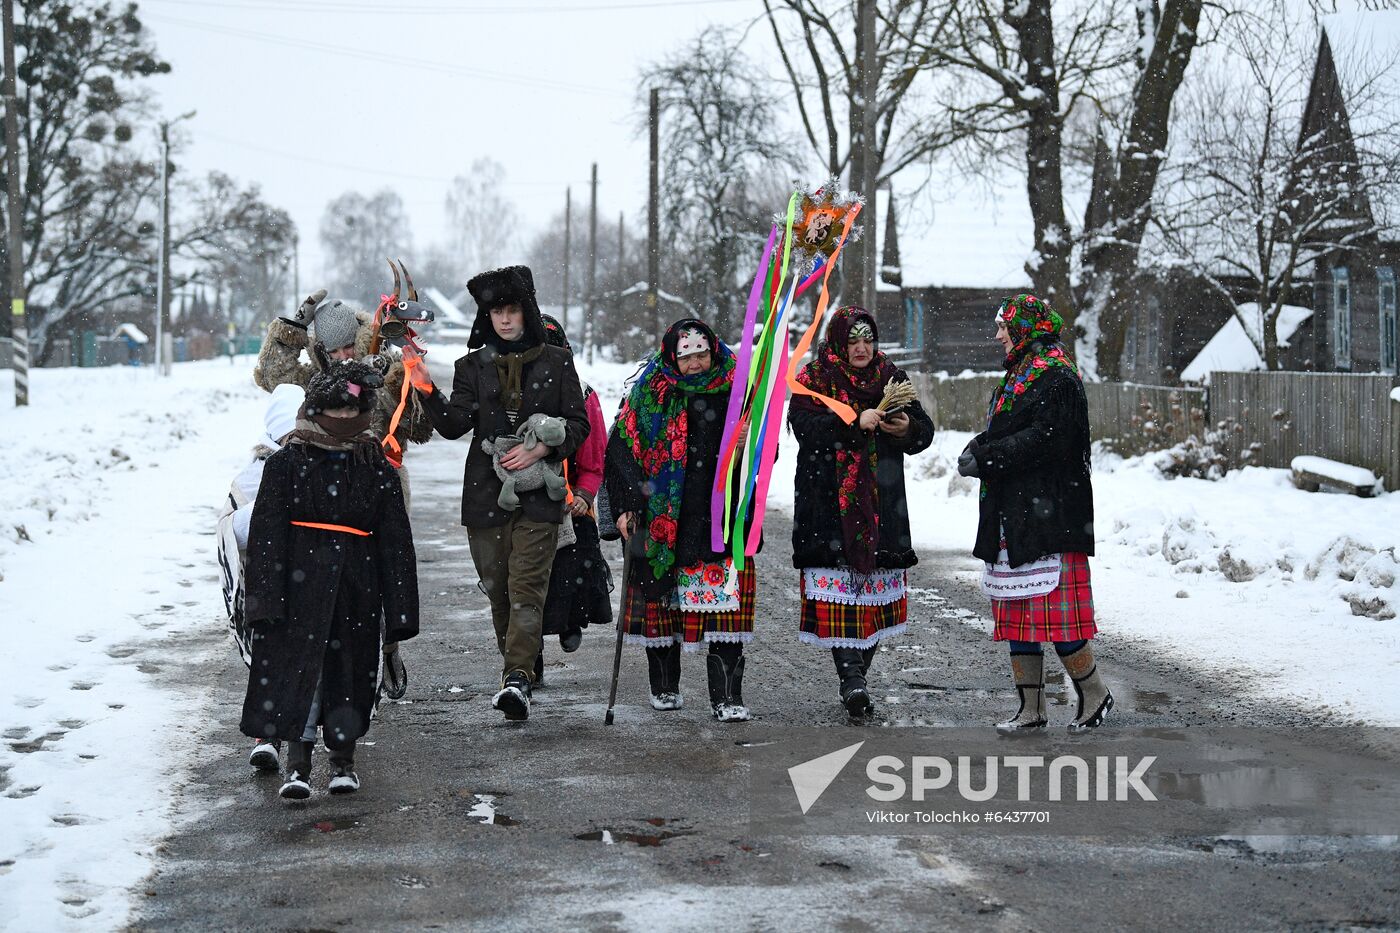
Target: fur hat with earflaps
511,285
341,384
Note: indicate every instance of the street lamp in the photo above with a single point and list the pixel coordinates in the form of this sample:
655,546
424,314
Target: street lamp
163,359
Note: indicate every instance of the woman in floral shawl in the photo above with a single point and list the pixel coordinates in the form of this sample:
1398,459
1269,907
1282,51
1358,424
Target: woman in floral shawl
1036,526
850,532
660,471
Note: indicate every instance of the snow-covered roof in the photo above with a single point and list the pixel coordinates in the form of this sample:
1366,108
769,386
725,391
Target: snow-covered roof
969,233
1366,51
1231,349
131,332
448,311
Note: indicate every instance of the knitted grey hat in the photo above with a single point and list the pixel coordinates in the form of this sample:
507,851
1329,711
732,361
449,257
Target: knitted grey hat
334,323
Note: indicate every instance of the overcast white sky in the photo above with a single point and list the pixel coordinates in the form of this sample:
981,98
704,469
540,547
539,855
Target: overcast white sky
311,98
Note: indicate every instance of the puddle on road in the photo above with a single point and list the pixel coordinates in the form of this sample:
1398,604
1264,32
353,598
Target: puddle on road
1151,701
334,826
642,838
484,811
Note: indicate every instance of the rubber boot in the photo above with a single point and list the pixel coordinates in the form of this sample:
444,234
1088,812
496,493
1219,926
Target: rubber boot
298,783
1028,673
850,667
1095,700
727,685
664,675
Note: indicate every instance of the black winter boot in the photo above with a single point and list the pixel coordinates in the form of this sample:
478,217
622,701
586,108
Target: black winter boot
726,670
344,780
513,699
539,669
850,667
298,783
664,675
866,656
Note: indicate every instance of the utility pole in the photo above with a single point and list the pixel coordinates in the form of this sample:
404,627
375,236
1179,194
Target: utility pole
654,217
861,262
163,359
14,209
296,270
568,226
621,256
592,266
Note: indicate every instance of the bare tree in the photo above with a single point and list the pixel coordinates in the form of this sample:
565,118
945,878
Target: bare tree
720,155
77,65
1262,186
1020,76
825,63
481,220
358,234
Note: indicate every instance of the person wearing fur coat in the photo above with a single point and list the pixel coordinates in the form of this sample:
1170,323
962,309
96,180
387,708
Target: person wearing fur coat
346,332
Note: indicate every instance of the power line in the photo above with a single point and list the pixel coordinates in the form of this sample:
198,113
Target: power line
379,57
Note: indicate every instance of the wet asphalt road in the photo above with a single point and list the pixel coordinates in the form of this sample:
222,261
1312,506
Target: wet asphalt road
414,848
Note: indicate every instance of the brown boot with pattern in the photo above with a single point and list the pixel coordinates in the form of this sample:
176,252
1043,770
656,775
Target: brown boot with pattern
1028,672
1095,700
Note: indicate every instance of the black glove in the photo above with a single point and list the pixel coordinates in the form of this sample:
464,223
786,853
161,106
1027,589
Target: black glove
395,674
302,316
967,463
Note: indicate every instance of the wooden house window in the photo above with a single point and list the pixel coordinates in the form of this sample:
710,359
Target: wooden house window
1341,318
1390,340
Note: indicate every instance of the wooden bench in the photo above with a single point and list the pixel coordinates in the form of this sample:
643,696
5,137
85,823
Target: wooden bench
1310,474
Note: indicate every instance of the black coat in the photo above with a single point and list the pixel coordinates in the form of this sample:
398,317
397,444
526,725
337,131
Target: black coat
549,384
1035,461
316,599
624,478
816,518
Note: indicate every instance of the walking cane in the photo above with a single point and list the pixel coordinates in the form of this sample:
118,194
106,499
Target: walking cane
621,608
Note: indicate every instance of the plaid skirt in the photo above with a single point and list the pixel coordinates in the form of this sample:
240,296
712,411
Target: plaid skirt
656,623
830,624
1064,614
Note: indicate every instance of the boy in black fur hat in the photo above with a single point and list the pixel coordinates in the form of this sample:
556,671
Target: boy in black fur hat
509,374
331,576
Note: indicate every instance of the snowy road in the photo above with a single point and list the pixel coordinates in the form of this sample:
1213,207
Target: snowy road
465,821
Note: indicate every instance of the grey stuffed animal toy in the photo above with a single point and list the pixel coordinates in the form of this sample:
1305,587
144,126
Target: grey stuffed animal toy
538,429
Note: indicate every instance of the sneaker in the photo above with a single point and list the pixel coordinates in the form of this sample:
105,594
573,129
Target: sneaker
344,780
297,787
514,697
264,755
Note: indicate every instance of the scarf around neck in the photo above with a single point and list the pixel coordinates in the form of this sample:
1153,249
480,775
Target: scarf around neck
510,364
857,496
349,435
654,424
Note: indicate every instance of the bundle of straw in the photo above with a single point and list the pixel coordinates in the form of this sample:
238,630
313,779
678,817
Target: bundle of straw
897,396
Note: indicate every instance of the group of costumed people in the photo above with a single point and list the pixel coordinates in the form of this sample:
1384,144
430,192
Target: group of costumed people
317,549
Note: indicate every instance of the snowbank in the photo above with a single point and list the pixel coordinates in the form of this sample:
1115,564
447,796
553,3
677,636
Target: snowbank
1248,576
113,479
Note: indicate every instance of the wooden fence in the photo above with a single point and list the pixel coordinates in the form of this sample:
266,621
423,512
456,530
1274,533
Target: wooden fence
1131,418
1341,416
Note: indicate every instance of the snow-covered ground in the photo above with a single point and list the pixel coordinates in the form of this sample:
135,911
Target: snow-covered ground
1284,593
113,479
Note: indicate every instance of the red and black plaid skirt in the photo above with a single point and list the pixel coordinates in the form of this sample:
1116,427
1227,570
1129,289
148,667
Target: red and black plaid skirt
656,623
1066,613
845,625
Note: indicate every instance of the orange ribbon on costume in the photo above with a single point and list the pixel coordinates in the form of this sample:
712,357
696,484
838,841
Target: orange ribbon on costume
393,450
324,527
